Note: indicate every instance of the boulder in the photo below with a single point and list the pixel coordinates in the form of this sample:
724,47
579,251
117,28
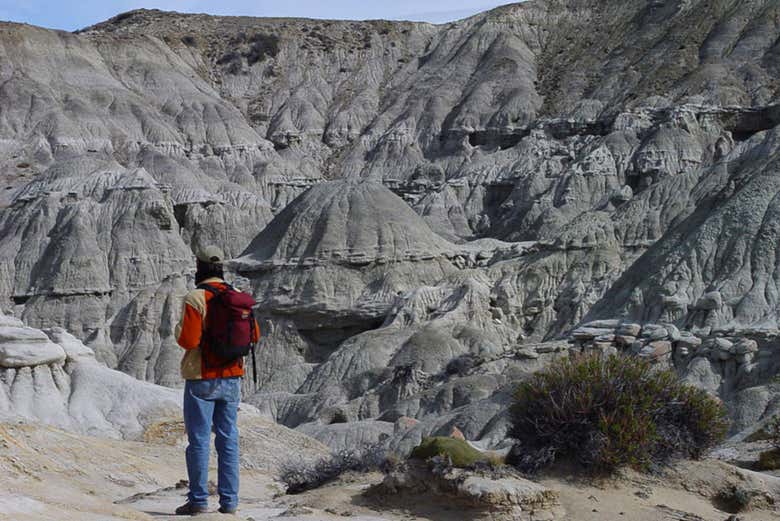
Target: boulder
74,349
689,341
722,344
654,332
674,332
27,347
744,346
589,333
64,386
499,495
527,354
656,349
710,301
721,348
404,423
603,324
629,330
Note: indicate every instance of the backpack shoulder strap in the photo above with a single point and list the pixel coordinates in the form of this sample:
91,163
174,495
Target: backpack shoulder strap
207,287
214,291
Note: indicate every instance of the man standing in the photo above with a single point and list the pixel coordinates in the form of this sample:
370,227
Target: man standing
213,381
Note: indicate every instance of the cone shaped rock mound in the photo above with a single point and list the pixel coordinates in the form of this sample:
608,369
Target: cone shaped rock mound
345,220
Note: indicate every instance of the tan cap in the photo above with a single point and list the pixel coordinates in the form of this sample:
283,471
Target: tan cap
211,254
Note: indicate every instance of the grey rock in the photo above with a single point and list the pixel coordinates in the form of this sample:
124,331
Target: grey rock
722,344
624,340
605,348
529,354
654,332
637,347
590,333
673,331
689,341
536,190
22,346
508,497
701,373
629,330
656,350
81,395
603,324
342,437
711,300
744,346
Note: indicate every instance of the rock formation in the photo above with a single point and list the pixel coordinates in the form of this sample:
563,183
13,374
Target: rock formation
500,497
424,213
53,378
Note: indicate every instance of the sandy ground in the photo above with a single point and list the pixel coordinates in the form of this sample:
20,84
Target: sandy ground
49,474
686,494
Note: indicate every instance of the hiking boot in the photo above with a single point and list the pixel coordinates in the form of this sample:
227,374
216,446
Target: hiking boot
226,510
190,509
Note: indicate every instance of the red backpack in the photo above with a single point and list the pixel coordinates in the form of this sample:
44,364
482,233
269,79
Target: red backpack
229,324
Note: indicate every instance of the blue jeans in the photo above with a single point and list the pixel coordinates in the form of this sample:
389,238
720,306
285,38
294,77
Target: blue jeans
206,401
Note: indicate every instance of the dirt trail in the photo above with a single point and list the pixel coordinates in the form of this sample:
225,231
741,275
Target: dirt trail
49,474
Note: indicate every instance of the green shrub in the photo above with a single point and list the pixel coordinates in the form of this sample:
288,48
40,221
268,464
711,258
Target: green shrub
459,452
263,45
228,58
772,429
123,16
609,412
300,475
768,460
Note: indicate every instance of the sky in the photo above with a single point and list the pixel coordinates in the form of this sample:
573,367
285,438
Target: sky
76,14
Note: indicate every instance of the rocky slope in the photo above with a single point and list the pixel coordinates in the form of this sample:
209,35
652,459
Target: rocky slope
425,213
63,416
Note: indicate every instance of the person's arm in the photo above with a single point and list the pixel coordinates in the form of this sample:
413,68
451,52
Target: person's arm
190,328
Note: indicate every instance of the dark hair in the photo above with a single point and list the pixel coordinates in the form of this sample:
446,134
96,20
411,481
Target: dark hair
206,270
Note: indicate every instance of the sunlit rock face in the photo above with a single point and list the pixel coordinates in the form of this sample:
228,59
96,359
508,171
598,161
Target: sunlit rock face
423,212
53,378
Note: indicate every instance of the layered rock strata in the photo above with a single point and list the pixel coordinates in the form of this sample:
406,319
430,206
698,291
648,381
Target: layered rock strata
543,178
51,377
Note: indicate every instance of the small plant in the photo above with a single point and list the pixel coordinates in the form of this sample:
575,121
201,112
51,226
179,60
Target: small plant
228,57
773,431
608,412
188,40
462,364
263,45
300,476
459,453
734,499
123,16
768,459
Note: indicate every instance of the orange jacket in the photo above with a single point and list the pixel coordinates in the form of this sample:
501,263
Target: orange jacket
189,334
